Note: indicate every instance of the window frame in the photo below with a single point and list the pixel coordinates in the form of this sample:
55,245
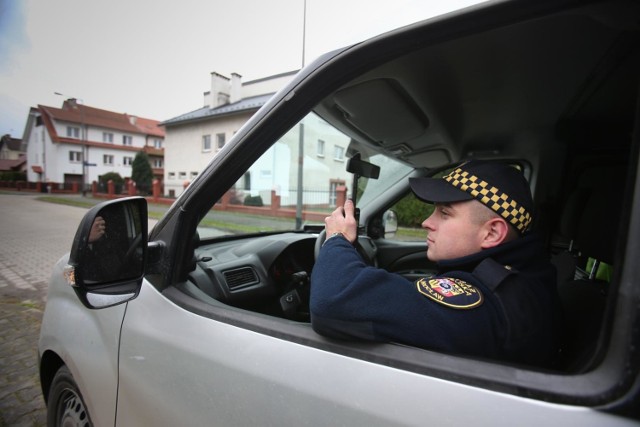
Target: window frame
107,137
75,156
220,140
206,143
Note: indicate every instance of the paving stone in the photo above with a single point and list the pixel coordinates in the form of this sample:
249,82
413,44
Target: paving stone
29,248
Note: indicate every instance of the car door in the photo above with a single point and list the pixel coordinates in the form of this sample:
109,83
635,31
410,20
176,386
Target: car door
192,357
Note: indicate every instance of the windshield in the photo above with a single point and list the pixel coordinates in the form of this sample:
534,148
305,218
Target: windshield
312,157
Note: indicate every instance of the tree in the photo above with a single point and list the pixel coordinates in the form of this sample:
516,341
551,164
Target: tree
141,172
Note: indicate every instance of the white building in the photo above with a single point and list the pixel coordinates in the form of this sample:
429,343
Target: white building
79,144
194,138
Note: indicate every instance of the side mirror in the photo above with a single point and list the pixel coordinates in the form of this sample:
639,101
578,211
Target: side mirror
107,259
390,224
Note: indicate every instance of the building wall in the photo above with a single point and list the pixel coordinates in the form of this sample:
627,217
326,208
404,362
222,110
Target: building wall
57,163
267,85
184,155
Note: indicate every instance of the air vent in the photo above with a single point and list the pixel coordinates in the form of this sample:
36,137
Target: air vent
240,278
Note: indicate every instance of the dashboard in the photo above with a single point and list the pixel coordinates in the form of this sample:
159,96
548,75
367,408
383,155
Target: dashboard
262,274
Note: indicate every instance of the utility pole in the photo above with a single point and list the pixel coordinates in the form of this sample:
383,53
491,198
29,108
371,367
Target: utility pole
304,30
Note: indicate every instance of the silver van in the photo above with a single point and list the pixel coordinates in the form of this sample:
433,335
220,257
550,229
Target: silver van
204,320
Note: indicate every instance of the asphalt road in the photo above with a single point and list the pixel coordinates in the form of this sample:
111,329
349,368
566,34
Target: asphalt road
34,235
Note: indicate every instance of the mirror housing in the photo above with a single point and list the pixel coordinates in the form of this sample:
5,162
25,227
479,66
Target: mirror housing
109,251
390,223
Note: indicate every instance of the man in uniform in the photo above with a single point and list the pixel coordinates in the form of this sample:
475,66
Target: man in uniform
494,295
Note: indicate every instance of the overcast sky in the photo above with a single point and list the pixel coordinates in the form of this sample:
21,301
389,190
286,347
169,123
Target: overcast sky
153,58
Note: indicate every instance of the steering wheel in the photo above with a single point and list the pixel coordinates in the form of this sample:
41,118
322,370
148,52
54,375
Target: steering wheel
363,244
319,242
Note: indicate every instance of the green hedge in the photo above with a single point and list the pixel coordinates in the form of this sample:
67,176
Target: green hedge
13,176
253,201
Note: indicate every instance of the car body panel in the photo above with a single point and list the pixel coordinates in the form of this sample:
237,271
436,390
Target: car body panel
209,372
88,345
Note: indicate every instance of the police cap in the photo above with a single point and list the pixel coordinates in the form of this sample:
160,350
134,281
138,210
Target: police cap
499,186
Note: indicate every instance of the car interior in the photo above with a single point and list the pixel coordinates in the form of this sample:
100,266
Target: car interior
554,94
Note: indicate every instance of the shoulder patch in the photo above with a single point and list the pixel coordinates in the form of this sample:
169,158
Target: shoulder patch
450,292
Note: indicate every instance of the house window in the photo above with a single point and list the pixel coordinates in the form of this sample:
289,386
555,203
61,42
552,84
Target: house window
107,159
194,174
220,138
320,149
338,153
182,175
157,163
247,181
127,140
206,143
172,175
75,156
107,137
127,161
73,132
157,143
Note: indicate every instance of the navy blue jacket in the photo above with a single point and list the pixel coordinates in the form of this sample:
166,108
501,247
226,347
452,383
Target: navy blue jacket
500,303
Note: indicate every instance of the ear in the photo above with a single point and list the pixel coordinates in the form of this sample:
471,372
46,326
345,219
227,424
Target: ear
495,232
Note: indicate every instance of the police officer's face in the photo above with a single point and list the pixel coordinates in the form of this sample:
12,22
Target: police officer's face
453,231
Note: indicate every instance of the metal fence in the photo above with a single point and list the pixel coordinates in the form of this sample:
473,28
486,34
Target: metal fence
315,198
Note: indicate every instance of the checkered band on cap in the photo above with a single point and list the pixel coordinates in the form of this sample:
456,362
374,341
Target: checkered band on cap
491,197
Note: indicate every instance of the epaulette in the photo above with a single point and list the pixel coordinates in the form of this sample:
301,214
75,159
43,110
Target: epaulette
491,273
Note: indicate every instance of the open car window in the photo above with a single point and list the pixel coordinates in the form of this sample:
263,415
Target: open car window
313,156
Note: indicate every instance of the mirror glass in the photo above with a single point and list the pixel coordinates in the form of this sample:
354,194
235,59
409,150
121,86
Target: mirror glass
114,249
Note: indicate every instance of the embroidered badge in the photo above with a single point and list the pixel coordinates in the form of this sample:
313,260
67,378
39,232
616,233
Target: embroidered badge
451,292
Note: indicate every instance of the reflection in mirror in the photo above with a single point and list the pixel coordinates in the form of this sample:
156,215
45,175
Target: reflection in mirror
114,249
390,223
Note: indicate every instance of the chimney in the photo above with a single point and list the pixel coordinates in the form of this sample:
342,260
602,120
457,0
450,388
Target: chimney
236,88
207,99
133,120
70,103
219,90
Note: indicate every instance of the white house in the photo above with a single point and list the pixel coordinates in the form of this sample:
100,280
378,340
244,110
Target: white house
78,143
194,138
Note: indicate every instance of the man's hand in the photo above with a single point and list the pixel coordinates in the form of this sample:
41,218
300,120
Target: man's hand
342,220
97,229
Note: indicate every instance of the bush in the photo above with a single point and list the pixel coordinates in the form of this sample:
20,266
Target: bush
111,176
253,201
13,176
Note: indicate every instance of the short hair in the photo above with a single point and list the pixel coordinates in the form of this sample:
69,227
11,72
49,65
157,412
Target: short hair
481,214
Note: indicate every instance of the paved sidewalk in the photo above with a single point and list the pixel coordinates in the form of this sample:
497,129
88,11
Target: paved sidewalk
21,402
33,236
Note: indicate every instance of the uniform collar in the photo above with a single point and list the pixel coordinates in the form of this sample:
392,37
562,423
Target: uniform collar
515,253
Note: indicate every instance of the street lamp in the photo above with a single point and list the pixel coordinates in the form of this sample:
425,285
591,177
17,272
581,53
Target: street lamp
85,148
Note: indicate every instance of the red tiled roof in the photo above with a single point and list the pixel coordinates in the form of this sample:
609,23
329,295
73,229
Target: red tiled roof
12,165
79,113
150,127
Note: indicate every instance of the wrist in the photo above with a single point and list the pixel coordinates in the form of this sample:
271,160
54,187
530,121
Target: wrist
333,235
